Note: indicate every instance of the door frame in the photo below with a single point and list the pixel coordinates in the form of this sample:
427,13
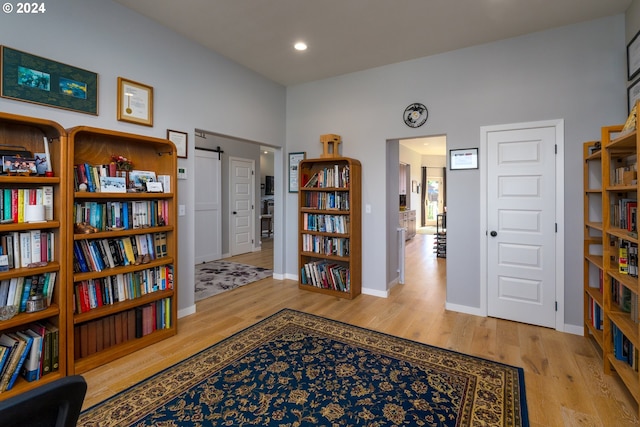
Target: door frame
558,124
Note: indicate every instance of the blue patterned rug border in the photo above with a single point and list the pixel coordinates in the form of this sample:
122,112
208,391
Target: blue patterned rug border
521,398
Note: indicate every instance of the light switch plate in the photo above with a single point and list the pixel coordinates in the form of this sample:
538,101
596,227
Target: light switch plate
182,173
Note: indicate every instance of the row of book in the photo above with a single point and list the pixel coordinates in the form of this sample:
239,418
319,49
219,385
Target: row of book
94,293
16,291
14,200
624,175
101,334
623,349
625,299
100,254
30,353
338,246
627,257
119,214
333,177
325,223
595,315
338,200
323,274
21,248
624,214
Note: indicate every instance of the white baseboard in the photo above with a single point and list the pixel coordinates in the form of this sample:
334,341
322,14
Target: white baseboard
573,329
375,292
465,309
186,311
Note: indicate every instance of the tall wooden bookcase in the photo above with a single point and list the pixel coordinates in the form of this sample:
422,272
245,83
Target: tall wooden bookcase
610,252
29,132
330,223
108,330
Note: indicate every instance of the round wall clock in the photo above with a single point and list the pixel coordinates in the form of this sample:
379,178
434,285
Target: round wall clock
415,115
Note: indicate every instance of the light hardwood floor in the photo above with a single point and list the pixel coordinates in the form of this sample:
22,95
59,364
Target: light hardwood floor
565,383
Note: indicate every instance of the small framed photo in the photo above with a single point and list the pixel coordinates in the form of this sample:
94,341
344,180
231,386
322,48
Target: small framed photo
135,102
141,178
466,158
154,187
294,176
633,57
16,165
113,184
180,140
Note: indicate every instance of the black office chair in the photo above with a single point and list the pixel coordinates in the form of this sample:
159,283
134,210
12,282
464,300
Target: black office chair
56,404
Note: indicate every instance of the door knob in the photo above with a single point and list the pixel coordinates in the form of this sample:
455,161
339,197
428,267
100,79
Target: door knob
234,212
493,233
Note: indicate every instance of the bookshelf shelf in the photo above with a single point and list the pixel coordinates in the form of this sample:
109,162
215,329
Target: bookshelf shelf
29,133
611,286
329,261
115,315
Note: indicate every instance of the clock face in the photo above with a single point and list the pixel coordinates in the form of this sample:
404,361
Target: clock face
415,115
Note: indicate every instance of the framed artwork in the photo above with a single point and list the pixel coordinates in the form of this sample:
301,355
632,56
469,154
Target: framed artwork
135,102
294,178
180,140
463,159
633,95
31,78
633,57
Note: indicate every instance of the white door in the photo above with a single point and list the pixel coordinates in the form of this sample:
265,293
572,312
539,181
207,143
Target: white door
208,222
521,224
241,215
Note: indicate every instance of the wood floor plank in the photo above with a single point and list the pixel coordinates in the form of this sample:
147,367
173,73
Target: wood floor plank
565,383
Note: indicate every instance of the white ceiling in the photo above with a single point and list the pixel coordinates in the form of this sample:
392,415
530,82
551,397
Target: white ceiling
352,35
430,146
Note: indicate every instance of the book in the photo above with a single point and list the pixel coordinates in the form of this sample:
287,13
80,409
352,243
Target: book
31,370
17,345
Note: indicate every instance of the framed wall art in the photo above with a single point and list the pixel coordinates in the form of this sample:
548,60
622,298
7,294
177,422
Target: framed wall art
463,159
135,102
633,57
180,140
31,78
294,161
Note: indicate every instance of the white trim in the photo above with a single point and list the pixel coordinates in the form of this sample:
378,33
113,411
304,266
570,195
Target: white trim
573,329
187,311
465,309
558,124
375,292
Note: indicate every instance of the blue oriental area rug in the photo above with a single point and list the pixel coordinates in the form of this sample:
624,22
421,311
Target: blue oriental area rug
297,369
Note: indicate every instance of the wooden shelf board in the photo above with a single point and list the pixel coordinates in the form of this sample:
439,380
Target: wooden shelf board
595,260
629,281
628,375
22,319
122,233
627,326
122,269
117,307
333,292
22,385
122,196
597,335
596,295
114,352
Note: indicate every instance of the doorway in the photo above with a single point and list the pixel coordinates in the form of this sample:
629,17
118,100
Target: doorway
227,147
418,153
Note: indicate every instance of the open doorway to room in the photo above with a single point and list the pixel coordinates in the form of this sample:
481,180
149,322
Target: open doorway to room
260,251
420,200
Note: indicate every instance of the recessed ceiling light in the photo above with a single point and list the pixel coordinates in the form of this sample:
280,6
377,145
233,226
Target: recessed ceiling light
300,46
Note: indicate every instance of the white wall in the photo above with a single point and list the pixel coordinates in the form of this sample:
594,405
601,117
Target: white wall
576,73
193,87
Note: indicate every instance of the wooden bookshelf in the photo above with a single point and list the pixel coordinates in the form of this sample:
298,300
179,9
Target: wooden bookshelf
101,332
611,284
329,223
29,133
